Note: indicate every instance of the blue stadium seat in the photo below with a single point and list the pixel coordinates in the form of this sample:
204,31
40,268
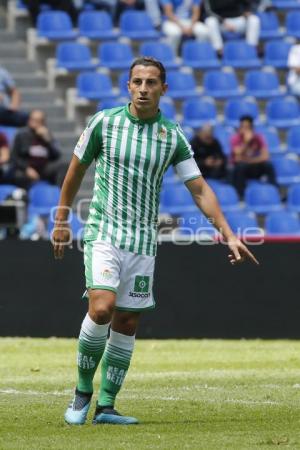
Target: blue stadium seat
6,190
292,24
167,108
262,198
227,196
115,55
94,86
282,223
161,51
221,84
76,226
198,112
199,55
188,132
286,4
293,198
240,55
276,54
270,27
195,223
271,137
170,177
74,56
287,170
182,85
9,132
263,84
236,108
293,140
176,199
96,25
283,113
111,103
137,25
42,198
243,223
55,25
122,83
223,134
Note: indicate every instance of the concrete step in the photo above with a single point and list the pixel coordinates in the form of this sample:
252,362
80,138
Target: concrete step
51,110
32,95
6,36
19,66
30,81
61,124
13,50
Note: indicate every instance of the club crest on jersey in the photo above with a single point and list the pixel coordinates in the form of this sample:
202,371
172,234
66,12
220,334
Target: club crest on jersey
106,274
162,133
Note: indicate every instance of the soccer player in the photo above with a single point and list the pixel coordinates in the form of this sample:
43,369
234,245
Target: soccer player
132,147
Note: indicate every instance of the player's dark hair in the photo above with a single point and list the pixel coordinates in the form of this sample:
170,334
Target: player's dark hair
247,118
149,61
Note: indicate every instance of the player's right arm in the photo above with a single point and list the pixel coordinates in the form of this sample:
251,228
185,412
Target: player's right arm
70,187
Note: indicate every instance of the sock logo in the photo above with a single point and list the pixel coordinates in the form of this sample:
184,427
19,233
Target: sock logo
85,362
115,375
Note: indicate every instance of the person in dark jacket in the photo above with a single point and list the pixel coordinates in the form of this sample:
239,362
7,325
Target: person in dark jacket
208,153
231,16
35,153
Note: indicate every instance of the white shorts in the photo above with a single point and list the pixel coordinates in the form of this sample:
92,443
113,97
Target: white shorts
128,274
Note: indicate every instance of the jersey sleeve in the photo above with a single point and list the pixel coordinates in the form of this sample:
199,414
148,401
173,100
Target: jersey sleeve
183,160
90,141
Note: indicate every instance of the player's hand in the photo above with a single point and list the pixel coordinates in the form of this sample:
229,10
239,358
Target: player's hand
61,237
239,252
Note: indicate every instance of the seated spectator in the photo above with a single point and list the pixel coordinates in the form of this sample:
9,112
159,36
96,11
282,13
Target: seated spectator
183,21
35,7
250,156
293,78
232,16
35,154
208,153
4,159
10,102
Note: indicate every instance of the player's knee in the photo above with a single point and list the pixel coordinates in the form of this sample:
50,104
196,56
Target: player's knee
101,306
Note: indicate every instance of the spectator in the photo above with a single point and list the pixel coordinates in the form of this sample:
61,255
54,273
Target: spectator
35,154
183,21
151,7
10,102
293,78
250,156
208,153
232,16
35,7
4,159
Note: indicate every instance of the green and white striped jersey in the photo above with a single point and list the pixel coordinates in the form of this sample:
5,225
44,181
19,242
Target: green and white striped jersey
131,157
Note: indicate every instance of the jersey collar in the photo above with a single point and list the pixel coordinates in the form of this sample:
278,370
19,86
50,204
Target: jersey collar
136,120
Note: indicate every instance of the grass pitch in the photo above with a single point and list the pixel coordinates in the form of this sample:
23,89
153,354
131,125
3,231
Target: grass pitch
190,394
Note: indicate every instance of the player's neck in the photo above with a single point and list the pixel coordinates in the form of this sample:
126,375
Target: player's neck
142,115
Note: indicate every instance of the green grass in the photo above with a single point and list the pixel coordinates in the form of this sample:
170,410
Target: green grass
190,394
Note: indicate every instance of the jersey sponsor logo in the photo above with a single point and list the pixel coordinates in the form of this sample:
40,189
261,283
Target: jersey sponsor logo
141,287
111,126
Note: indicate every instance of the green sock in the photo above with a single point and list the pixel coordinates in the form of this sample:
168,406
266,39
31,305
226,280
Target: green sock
114,366
92,340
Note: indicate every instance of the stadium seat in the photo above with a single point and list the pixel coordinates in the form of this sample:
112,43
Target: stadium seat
276,54
94,86
223,134
262,198
198,112
170,176
137,25
161,51
96,25
9,132
221,84
270,27
293,198
292,24
293,140
272,139
287,170
6,190
167,107
282,223
176,199
243,223
42,198
283,113
74,56
227,197
199,55
236,108
263,84
122,83
115,55
195,223
55,25
111,103
182,85
286,4
240,55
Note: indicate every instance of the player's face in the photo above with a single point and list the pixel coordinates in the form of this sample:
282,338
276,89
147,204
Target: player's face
146,88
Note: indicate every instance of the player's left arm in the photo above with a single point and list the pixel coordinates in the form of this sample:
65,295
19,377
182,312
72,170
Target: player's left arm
206,200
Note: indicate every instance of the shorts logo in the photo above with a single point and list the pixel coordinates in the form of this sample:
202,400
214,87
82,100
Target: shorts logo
106,274
141,287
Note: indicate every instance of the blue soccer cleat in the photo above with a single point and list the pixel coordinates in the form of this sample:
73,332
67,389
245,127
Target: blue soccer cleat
107,414
78,409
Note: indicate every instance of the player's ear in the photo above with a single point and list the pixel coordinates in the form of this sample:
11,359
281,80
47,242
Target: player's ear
128,85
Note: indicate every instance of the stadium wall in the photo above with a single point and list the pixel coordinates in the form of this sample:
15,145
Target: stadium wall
198,293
